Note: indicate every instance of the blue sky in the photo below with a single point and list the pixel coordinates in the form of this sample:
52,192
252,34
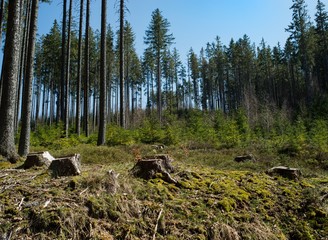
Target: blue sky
195,22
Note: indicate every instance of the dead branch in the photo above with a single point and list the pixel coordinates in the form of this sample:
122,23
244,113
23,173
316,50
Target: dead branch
156,226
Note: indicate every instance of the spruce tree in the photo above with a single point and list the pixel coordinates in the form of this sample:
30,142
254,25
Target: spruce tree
322,45
103,74
9,81
158,39
302,38
24,141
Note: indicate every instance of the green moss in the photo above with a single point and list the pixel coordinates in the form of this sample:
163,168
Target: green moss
48,221
227,204
103,208
10,211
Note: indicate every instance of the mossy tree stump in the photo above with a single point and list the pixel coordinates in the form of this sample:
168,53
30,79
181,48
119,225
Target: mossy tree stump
66,166
38,159
148,167
245,158
286,172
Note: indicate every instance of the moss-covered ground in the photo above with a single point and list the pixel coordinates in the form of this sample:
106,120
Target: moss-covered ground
216,198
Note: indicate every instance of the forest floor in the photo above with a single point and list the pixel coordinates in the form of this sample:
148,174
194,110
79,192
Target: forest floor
217,198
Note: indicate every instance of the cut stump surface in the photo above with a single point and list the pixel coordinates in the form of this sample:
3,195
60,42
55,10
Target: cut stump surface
38,159
291,173
66,166
149,166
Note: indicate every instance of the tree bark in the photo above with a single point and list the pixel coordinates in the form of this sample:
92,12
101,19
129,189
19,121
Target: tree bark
23,56
103,100
87,68
159,88
79,75
63,66
24,141
68,65
2,7
10,71
122,97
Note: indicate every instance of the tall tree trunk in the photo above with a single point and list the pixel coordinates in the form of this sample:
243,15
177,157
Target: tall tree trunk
43,104
68,66
122,97
37,108
87,68
159,88
63,66
127,91
52,101
10,71
24,140
79,75
103,74
2,8
22,57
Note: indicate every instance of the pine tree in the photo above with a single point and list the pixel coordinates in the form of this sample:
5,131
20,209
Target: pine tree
301,36
121,67
158,39
24,141
79,75
103,100
67,67
322,45
86,70
61,107
9,81
194,69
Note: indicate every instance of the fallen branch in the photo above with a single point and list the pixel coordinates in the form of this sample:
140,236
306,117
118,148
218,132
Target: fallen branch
324,197
13,170
46,203
84,191
156,226
20,204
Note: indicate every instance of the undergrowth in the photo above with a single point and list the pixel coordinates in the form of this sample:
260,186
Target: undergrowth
216,198
208,203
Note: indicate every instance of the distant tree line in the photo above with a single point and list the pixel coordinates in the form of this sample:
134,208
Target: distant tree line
102,72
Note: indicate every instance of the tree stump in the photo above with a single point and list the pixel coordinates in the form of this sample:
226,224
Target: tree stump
149,166
111,182
244,158
38,159
66,166
286,172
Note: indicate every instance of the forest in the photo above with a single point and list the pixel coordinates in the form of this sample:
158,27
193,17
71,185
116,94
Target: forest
82,90
101,82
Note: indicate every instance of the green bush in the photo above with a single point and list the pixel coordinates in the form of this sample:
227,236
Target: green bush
318,136
46,135
151,132
243,126
296,139
171,135
228,131
119,136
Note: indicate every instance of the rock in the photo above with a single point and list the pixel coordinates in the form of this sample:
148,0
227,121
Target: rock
38,159
244,158
149,166
291,173
66,166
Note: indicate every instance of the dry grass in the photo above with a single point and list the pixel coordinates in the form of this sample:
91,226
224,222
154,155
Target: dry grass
207,204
